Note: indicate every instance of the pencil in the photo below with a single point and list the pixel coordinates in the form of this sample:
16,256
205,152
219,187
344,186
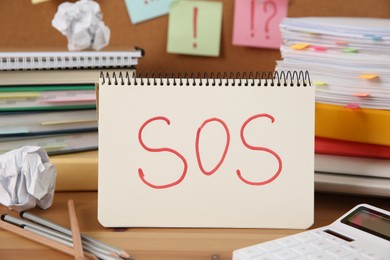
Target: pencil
101,253
66,242
39,239
76,237
85,238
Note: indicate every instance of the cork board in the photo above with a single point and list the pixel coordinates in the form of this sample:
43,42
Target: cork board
28,26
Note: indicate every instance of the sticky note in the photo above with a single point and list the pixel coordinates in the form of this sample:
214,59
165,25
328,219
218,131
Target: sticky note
143,10
320,83
256,23
368,76
194,28
300,46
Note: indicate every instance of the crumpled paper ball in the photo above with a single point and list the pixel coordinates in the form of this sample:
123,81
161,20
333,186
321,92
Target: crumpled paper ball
27,179
81,22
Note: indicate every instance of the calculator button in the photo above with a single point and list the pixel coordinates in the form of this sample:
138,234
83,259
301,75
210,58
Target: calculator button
265,257
335,240
318,233
285,253
270,246
338,251
288,241
356,257
306,236
371,255
250,251
303,249
320,256
353,248
321,244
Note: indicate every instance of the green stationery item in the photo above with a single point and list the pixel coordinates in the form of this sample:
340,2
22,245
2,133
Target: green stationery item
40,88
194,28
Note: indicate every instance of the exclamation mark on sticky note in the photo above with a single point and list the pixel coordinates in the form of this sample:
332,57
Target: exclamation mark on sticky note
252,18
195,25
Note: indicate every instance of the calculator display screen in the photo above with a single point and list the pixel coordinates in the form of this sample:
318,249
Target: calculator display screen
370,221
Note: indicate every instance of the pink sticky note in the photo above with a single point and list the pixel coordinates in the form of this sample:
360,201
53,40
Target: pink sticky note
256,22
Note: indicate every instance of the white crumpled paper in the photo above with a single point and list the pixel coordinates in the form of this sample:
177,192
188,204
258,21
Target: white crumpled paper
81,23
27,179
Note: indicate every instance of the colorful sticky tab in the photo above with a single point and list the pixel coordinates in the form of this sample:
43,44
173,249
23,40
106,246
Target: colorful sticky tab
300,46
256,23
341,43
361,94
320,83
143,10
318,48
374,37
350,50
194,28
368,76
352,106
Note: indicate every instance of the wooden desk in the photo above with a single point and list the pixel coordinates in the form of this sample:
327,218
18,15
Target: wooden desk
161,244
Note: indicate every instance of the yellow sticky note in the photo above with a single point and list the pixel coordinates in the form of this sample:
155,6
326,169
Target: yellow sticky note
368,76
320,83
300,46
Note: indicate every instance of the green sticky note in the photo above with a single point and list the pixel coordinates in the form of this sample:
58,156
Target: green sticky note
194,28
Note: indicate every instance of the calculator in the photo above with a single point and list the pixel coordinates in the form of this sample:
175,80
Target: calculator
362,233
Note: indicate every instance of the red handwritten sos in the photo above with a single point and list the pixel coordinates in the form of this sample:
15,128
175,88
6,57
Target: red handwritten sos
198,152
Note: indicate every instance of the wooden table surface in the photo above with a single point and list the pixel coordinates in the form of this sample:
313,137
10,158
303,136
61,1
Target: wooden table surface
164,243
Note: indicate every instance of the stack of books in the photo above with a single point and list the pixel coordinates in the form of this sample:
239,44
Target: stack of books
348,63
48,99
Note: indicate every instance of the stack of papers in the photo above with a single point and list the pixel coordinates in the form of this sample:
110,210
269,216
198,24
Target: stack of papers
348,63
347,58
48,99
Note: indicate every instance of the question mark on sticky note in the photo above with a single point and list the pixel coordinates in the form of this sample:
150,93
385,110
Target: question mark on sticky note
270,14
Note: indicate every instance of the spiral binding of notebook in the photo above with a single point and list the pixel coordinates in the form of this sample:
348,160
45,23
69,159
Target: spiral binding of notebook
284,78
69,60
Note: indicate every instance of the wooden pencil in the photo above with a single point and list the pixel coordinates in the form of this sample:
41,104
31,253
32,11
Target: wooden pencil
76,236
91,241
39,239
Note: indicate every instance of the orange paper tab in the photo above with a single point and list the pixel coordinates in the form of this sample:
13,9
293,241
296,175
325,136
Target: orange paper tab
300,46
368,76
361,94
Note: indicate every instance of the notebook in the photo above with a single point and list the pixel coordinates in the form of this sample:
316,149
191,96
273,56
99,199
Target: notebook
218,150
54,76
31,60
